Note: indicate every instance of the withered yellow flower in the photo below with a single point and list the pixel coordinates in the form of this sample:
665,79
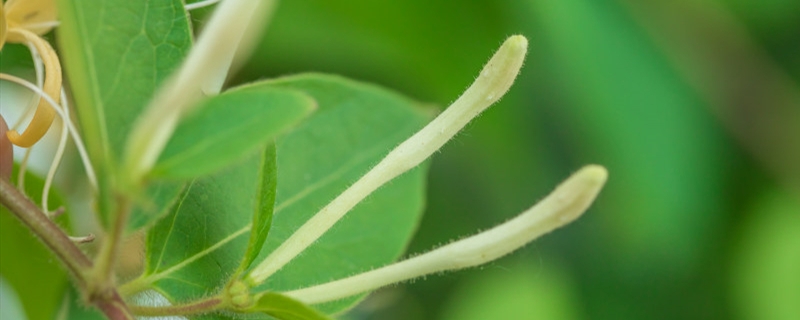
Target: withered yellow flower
24,22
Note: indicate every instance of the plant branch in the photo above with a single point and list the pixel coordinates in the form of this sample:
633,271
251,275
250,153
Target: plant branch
193,308
76,262
48,232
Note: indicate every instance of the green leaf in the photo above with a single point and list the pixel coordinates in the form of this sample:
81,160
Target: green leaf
765,265
116,53
262,218
228,127
156,202
284,308
355,126
15,59
200,243
26,264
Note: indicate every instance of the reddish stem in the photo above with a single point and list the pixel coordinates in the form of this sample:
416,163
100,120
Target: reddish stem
76,262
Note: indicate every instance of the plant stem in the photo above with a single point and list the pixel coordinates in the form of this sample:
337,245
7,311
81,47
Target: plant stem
197,307
53,237
76,262
114,307
109,251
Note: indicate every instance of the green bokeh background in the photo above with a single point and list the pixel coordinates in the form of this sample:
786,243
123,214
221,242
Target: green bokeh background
693,106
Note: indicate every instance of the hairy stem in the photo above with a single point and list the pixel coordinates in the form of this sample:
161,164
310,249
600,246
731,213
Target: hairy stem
193,308
107,258
53,237
76,262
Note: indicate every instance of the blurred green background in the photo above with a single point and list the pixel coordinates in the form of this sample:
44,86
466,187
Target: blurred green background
693,106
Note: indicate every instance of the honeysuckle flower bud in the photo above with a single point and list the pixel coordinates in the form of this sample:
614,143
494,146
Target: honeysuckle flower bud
492,83
565,204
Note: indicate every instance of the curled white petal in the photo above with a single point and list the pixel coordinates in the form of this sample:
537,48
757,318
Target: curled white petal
233,23
87,164
493,82
565,204
62,145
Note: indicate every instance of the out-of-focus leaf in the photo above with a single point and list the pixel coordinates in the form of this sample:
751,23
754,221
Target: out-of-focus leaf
226,128
116,53
766,263
15,59
12,307
519,292
632,113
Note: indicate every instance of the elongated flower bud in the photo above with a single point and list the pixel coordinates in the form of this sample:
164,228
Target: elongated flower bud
565,204
493,82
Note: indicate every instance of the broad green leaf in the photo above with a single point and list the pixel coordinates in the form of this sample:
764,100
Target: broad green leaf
226,128
355,126
262,218
26,264
284,308
194,249
116,53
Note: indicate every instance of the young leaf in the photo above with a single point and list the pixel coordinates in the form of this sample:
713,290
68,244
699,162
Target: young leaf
228,127
262,218
356,125
284,308
116,53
